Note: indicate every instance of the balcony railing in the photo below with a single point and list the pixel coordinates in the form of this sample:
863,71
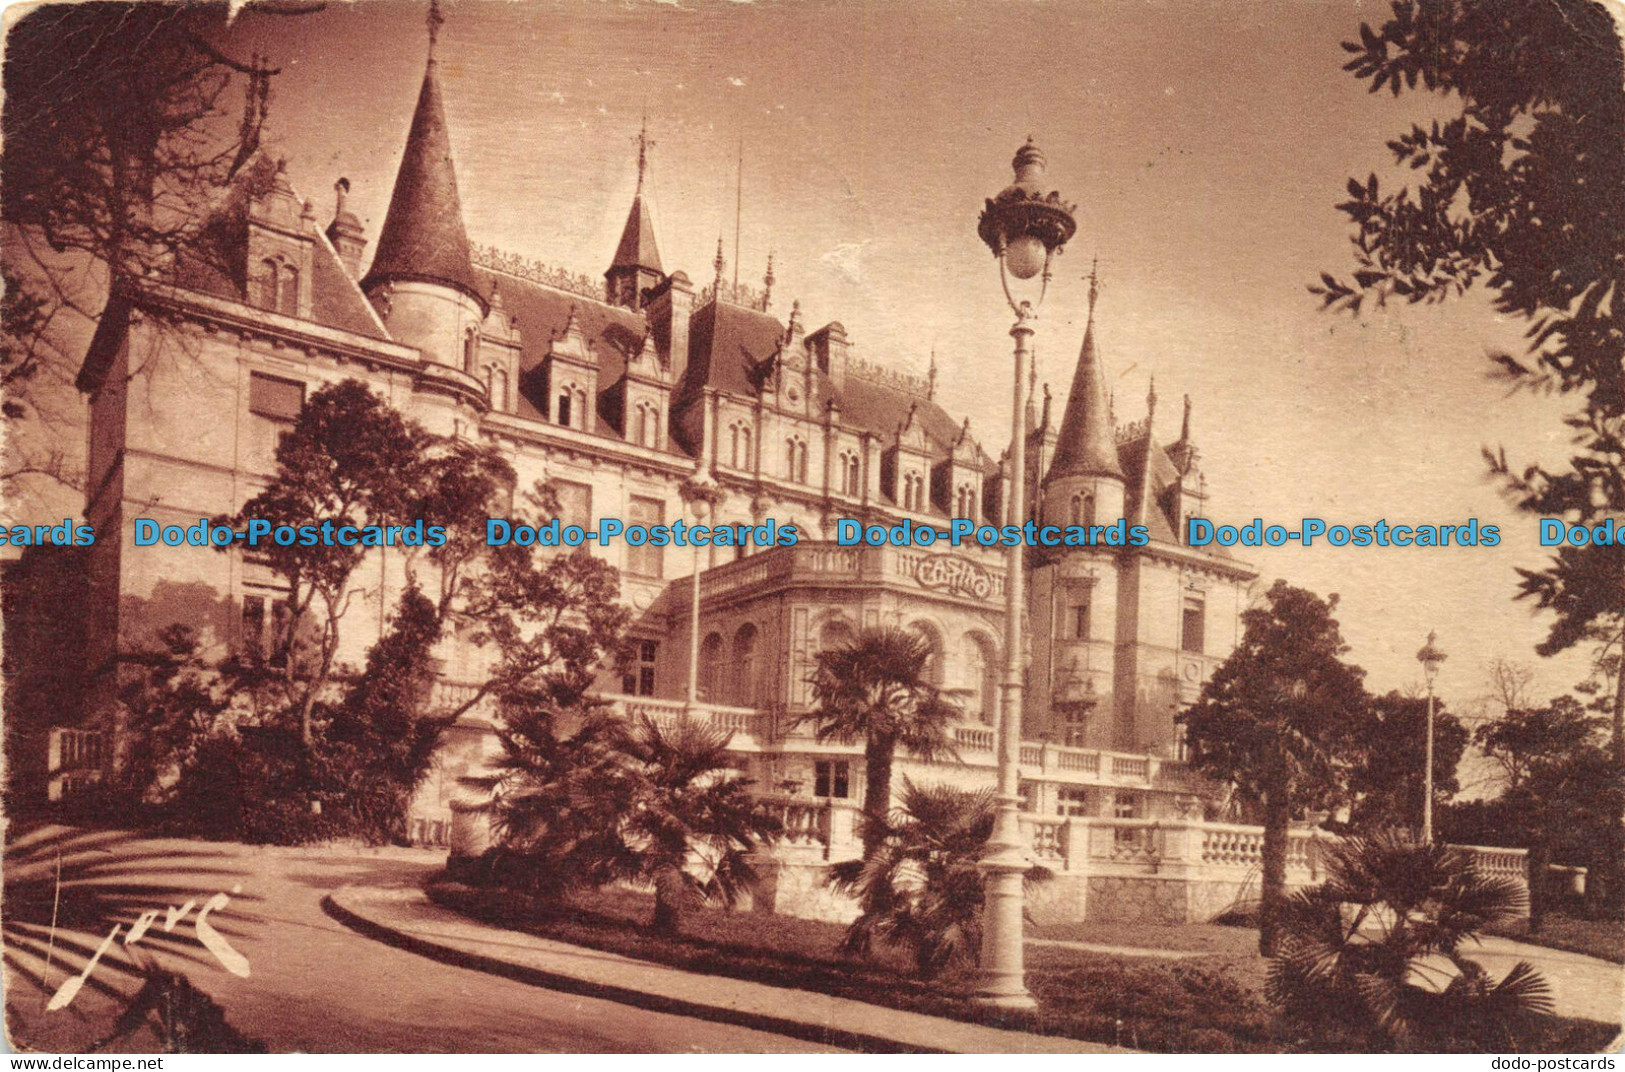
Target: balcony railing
742,722
968,573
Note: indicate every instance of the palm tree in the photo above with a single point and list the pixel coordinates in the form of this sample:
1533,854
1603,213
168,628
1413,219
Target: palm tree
558,802
921,888
878,688
1372,959
692,825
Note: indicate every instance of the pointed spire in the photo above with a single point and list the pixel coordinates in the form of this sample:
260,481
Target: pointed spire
436,20
423,237
1148,482
1183,453
1087,445
637,248
931,377
644,145
767,284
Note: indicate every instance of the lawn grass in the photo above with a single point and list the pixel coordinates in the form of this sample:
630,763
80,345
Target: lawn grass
1602,938
1209,1004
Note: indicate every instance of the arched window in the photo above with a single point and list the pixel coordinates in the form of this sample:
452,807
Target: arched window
790,458
850,478
835,634
471,349
1088,511
289,302
933,665
268,292
496,387
710,666
1076,517
801,461
740,453
648,426
744,667
564,407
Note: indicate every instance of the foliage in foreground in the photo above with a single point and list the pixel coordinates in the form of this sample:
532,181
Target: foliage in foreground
1373,958
878,689
919,887
652,804
1166,1007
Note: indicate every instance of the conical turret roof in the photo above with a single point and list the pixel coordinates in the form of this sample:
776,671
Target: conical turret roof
423,237
1086,445
637,248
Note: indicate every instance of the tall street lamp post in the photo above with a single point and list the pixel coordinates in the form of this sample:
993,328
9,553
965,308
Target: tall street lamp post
1430,657
1024,226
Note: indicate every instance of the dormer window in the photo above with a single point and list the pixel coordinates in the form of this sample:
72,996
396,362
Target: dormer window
851,480
564,408
965,502
289,302
275,287
496,387
647,425
913,491
265,290
739,440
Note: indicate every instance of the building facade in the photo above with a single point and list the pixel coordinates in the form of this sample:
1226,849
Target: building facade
617,390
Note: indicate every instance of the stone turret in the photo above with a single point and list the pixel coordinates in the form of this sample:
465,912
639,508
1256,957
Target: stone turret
422,279
1085,479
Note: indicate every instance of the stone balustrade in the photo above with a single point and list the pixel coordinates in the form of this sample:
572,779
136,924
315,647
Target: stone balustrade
972,739
969,574
745,723
1201,850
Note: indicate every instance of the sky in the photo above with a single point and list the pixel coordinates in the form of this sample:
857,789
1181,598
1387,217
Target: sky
1206,145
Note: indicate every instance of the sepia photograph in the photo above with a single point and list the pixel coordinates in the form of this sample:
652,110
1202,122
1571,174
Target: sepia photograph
813,526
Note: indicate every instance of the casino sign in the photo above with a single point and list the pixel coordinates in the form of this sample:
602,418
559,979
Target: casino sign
954,575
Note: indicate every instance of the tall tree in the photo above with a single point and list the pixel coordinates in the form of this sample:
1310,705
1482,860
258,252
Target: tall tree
878,689
350,459
1281,718
1523,191
1387,785
1561,789
117,137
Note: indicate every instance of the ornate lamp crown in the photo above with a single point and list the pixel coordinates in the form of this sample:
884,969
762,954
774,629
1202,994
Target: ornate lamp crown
1430,657
1025,209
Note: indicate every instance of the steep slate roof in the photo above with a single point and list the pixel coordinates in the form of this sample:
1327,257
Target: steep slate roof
1133,455
728,342
1084,446
423,237
542,313
219,264
637,248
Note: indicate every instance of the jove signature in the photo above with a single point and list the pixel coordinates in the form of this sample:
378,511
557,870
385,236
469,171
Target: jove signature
212,940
